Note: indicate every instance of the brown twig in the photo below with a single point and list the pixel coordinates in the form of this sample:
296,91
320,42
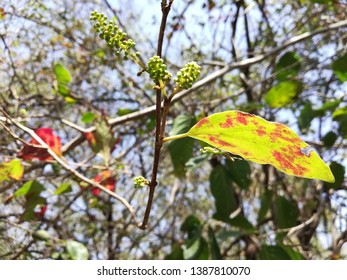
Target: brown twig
160,118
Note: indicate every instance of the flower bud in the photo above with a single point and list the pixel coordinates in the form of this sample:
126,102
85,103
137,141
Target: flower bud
188,75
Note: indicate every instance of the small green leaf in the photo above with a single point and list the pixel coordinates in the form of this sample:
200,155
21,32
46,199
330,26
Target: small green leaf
192,226
31,191
260,141
240,172
339,67
279,252
339,174
307,114
124,111
283,93
288,66
195,162
340,115
63,78
181,150
63,188
329,139
176,253
88,117
266,200
286,213
241,222
31,188
214,247
62,74
223,193
195,247
76,250
198,250
12,169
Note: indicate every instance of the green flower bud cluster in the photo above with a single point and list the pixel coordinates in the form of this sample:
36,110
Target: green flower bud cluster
112,34
157,69
140,182
188,75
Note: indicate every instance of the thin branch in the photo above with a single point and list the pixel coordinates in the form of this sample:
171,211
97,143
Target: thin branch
160,118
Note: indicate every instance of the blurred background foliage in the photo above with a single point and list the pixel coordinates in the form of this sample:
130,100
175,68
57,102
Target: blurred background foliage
55,72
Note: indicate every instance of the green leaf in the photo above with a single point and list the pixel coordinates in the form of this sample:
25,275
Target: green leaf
76,250
288,66
265,205
339,67
63,78
340,115
198,250
223,193
63,188
88,117
176,253
329,106
31,188
239,172
124,111
181,150
241,222
279,252
62,74
268,252
283,93
339,174
31,191
260,141
286,213
214,247
192,226
307,114
12,169
195,162
329,139
195,247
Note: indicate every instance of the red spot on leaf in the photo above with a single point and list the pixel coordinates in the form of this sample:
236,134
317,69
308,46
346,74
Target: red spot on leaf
227,124
241,118
202,123
220,143
260,132
53,141
287,162
106,179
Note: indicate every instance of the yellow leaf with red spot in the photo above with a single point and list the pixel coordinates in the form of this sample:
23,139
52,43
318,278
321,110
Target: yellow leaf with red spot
261,141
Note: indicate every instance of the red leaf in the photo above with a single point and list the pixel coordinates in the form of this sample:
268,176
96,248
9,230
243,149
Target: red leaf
106,179
47,136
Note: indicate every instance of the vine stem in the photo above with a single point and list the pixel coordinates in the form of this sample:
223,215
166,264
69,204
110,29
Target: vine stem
175,137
